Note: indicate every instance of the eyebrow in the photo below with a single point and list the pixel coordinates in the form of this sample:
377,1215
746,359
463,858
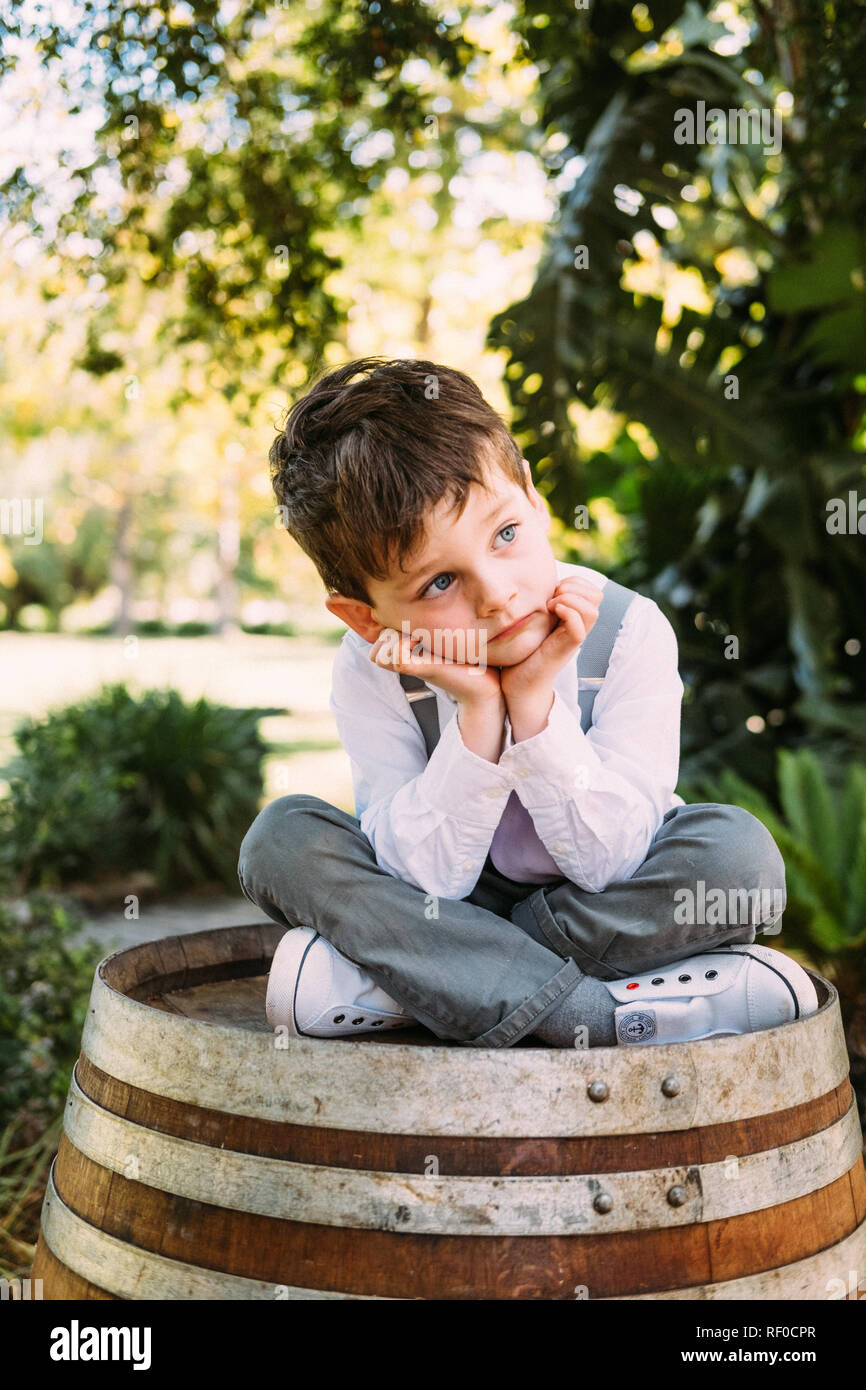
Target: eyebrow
416,574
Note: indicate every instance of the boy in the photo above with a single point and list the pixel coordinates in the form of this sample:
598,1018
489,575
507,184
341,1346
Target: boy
509,873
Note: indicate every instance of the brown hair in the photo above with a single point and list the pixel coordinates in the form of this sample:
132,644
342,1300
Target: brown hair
358,464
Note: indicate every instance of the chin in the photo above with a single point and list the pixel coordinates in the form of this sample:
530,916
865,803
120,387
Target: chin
522,645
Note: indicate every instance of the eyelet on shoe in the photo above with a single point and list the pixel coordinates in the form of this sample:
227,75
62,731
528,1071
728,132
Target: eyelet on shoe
377,1023
683,978
358,1020
338,1018
659,980
710,974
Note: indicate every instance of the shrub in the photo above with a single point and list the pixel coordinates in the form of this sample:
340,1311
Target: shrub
821,834
114,783
44,990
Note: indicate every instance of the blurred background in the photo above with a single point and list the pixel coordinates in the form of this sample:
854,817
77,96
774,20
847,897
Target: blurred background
204,205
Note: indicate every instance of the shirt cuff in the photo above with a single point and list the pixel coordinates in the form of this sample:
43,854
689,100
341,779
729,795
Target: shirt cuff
554,765
463,786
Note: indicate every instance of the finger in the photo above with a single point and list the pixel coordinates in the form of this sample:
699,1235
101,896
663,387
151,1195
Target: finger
575,603
415,663
390,650
383,656
575,625
572,616
581,587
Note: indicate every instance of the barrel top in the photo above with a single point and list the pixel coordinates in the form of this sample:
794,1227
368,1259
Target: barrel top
184,1017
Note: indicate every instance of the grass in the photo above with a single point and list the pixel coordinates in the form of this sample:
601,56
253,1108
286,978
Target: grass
23,1180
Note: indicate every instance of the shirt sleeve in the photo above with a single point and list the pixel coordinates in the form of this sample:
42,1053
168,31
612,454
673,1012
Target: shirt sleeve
596,799
430,823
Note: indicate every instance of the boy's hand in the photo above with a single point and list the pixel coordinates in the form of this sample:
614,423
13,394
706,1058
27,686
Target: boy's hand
575,602
471,686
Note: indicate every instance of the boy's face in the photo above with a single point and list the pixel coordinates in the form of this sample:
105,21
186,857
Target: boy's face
482,571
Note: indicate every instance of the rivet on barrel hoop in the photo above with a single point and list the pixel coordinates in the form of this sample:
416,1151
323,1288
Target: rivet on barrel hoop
334,1138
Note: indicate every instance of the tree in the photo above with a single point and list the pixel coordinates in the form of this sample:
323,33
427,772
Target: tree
233,138
713,294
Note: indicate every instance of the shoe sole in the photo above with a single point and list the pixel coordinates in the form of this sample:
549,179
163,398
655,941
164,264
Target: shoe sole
286,966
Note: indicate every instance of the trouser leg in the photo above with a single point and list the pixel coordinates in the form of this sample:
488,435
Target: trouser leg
702,856
461,969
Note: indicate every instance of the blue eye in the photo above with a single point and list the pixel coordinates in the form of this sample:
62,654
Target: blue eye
512,527
434,584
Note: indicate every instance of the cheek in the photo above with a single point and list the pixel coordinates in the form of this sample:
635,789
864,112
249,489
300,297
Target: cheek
430,616
434,611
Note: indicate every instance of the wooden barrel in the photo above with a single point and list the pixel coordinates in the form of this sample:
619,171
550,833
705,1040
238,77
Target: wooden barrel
206,1157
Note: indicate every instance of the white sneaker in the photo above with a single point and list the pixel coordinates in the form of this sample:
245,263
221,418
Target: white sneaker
314,991
731,989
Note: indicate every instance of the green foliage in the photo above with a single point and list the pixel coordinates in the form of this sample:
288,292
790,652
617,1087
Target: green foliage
53,574
239,137
270,629
821,834
234,132
727,515
114,783
44,989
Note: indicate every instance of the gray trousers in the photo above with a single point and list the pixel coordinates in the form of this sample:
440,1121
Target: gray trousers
486,969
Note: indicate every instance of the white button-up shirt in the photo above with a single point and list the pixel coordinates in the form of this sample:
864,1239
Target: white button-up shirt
594,800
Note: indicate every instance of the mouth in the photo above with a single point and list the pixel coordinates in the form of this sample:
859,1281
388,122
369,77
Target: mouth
507,631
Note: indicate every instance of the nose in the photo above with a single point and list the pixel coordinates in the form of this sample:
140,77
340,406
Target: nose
495,594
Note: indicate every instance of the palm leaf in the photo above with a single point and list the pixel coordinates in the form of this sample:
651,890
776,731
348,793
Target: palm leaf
807,805
852,832
826,934
807,878
855,877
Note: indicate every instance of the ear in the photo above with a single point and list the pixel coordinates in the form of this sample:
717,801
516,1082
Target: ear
536,498
356,615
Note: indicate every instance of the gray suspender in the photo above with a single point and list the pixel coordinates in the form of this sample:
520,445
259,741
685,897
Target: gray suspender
423,702
595,652
593,661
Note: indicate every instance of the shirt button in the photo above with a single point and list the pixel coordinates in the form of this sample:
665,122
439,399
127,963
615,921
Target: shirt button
559,848
493,793
467,865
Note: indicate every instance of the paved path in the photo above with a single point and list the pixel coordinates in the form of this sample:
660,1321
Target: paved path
175,918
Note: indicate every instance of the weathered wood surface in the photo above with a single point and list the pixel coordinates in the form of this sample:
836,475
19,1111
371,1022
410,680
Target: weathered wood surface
202,1158
348,1084
446,1204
